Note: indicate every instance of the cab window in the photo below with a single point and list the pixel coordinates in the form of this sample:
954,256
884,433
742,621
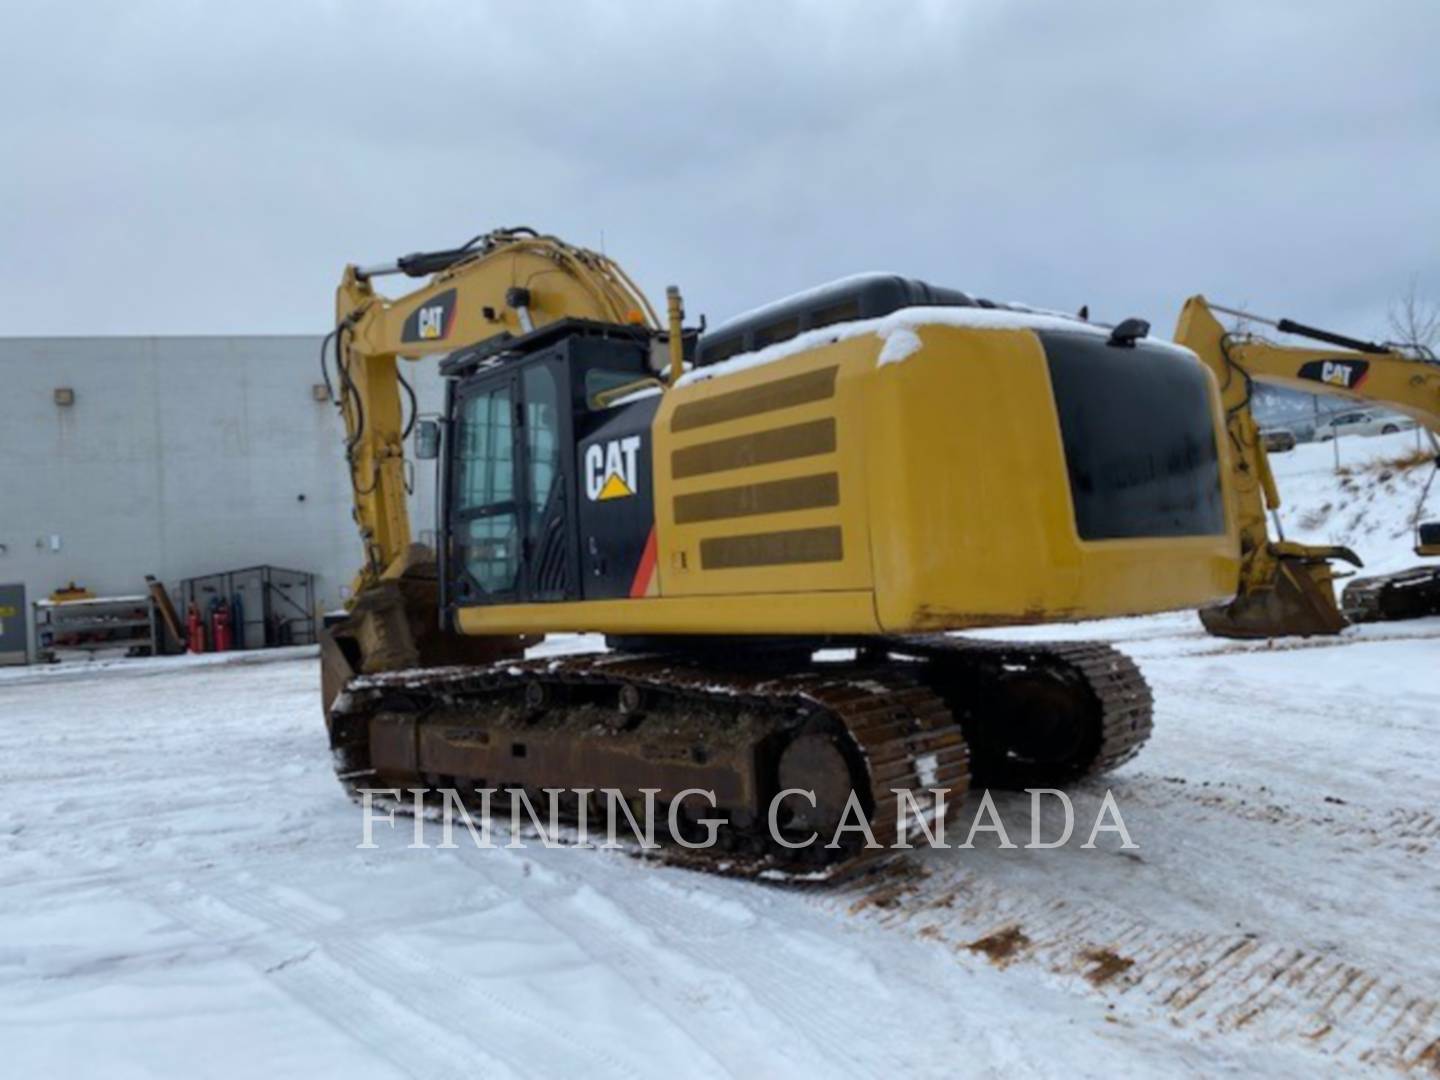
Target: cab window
488,527
542,436
599,381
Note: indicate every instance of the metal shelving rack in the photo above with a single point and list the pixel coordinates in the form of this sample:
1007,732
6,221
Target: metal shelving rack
95,624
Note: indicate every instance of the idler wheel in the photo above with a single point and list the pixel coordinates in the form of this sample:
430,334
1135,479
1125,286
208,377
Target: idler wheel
815,762
1037,731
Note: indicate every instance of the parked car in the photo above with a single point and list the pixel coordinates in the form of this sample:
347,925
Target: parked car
1361,422
1278,440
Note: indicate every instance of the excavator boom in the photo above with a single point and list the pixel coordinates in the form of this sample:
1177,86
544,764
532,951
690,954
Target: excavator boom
500,285
507,282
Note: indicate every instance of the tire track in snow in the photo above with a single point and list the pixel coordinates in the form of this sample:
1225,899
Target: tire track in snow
1411,830
670,982
1218,982
524,1041
776,972
557,898
655,938
371,1014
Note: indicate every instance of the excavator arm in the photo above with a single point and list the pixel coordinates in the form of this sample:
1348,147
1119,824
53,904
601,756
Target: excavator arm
507,282
511,282
1286,587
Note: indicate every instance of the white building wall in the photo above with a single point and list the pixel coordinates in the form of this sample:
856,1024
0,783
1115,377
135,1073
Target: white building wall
180,456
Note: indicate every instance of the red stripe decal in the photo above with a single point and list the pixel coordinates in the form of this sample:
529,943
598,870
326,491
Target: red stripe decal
641,585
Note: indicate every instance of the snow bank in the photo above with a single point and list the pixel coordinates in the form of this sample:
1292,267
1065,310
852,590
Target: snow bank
1367,504
152,665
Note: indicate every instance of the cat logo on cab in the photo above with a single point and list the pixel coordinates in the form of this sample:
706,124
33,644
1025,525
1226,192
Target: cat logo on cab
612,470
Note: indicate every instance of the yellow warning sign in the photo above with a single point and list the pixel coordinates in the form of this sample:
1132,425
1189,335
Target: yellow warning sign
615,488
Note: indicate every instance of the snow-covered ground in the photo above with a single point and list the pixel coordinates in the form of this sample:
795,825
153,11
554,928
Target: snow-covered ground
1368,505
181,893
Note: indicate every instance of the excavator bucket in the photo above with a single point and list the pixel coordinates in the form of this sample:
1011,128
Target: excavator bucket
395,626
1299,601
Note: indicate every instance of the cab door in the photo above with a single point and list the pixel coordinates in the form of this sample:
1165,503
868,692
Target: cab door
547,517
485,514
511,502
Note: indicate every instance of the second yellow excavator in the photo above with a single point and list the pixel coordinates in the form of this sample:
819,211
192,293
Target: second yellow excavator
774,525
1286,587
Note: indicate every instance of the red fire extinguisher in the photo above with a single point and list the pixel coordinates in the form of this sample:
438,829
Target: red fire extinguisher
194,630
220,627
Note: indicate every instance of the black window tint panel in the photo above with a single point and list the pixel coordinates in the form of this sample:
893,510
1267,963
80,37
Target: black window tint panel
1139,439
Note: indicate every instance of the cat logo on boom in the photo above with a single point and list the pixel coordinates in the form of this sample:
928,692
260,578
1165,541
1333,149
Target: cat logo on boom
611,469
431,321
1346,374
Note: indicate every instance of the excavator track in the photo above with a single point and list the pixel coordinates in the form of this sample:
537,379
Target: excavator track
1406,594
896,718
1038,714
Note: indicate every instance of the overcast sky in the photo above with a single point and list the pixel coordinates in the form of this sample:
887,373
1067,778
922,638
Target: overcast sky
209,168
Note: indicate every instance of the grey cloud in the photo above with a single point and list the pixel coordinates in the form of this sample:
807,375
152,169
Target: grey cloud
199,168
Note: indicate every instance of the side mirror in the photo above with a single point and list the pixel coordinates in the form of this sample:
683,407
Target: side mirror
427,439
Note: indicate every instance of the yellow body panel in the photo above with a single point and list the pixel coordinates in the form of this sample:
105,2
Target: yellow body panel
819,613
836,378
827,493
971,516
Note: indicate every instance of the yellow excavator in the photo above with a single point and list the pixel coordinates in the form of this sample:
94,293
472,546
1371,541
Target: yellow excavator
1287,587
775,524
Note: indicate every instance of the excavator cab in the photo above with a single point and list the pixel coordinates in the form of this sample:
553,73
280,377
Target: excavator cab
530,423
548,447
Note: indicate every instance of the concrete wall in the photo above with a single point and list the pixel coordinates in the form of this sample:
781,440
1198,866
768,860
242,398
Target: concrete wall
180,456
